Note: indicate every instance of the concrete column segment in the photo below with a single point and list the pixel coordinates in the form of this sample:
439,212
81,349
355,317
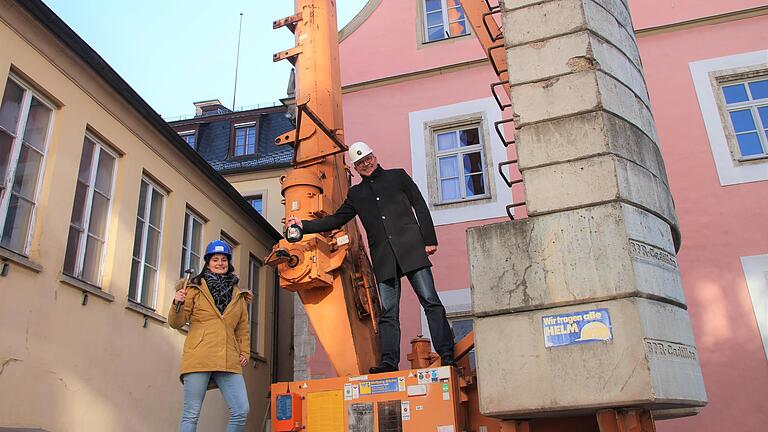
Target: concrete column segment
608,19
595,180
571,53
580,92
595,253
651,361
588,135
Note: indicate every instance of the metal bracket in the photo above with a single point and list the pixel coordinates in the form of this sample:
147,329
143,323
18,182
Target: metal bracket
291,55
499,36
509,182
496,8
489,52
290,136
511,206
500,133
502,106
289,22
302,109
285,138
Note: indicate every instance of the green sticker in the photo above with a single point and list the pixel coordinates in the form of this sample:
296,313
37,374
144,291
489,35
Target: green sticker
445,387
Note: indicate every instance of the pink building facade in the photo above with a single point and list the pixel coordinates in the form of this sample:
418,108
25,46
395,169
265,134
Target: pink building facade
417,89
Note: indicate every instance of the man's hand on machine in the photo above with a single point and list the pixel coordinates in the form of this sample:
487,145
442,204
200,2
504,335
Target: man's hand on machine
293,220
430,249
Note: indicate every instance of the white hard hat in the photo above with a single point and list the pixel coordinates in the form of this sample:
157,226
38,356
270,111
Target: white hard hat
358,151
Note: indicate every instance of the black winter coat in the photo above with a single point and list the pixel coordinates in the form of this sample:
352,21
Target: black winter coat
385,202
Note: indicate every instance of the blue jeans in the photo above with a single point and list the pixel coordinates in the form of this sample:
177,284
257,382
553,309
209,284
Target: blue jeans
389,322
232,387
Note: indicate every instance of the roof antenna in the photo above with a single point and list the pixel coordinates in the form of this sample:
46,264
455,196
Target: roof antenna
237,61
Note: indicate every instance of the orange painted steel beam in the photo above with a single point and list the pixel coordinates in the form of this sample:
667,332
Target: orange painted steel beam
482,18
330,272
630,420
461,349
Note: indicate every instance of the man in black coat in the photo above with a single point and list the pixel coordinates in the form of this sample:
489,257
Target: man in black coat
400,242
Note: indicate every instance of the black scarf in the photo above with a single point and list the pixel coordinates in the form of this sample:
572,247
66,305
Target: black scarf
220,286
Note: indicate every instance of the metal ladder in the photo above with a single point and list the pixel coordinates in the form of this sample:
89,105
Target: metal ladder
481,16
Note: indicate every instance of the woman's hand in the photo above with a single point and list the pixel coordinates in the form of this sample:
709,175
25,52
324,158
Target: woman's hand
180,296
243,360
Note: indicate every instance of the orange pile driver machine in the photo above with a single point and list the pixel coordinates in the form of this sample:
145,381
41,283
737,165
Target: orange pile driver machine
332,275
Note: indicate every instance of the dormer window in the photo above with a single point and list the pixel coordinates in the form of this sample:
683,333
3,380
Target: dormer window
190,137
245,139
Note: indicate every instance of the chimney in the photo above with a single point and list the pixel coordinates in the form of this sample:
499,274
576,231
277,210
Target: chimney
209,108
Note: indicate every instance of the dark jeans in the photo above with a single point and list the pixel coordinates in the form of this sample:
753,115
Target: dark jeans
389,323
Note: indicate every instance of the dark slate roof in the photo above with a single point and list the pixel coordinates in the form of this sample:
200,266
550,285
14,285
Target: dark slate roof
214,134
59,29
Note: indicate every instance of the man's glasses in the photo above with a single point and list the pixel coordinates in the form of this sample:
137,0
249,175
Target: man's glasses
365,161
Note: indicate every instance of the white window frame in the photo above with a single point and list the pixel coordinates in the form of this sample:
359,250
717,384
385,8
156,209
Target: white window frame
756,273
13,160
420,124
186,240
459,152
99,146
752,105
703,72
144,233
446,22
254,284
245,126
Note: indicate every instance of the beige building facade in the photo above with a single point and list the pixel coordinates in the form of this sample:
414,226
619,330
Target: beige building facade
102,206
266,184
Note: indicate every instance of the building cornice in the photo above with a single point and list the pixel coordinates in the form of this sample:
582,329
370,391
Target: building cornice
359,19
704,21
409,76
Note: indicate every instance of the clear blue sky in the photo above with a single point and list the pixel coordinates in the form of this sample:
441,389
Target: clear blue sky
175,52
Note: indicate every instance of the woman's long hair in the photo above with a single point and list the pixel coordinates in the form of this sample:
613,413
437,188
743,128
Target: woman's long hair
197,279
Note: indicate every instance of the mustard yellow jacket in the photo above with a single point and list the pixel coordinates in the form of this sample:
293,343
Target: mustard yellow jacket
215,341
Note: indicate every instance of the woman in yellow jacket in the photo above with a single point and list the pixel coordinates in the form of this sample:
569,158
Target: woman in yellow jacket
218,344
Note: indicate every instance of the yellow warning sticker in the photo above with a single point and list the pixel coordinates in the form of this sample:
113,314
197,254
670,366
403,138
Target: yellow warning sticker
325,411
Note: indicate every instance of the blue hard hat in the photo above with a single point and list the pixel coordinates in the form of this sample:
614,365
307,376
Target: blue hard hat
218,247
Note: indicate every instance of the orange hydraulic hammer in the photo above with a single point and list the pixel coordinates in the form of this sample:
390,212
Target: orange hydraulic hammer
330,272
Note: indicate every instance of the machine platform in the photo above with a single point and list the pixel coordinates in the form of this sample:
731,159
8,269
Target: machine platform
414,400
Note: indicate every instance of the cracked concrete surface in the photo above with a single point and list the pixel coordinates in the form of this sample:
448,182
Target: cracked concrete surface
7,362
